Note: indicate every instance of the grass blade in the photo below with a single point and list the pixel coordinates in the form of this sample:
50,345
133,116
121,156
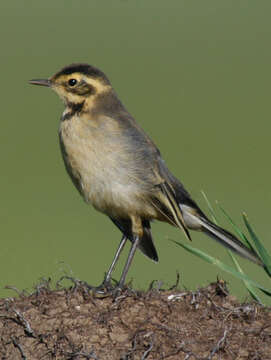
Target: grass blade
248,286
236,228
239,232
210,207
221,265
266,258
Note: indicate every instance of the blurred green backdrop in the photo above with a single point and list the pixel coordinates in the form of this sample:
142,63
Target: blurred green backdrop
196,76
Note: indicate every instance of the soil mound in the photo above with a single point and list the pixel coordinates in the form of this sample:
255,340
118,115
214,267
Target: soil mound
158,324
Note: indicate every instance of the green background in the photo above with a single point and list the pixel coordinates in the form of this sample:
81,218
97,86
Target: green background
195,75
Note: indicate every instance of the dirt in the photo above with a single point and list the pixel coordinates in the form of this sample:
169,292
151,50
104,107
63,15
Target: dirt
158,324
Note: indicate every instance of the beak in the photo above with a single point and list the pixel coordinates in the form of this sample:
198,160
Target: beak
41,82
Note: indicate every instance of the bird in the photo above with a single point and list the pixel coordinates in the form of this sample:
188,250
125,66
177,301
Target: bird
118,169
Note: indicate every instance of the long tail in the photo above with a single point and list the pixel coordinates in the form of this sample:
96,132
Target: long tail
197,221
225,238
183,212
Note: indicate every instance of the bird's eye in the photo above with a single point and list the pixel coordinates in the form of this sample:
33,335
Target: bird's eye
72,82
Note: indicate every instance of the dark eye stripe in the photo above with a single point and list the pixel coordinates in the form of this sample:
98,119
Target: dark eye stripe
82,89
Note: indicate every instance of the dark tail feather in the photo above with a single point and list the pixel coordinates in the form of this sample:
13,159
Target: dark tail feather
146,243
225,238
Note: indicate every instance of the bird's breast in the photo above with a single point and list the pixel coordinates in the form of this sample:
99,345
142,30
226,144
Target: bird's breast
102,167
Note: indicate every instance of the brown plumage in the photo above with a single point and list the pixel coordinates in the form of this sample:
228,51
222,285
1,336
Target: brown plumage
117,168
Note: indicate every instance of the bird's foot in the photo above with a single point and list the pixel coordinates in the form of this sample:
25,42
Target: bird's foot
106,289
109,290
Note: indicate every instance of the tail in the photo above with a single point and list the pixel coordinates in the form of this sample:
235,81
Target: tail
182,211
225,238
197,221
146,244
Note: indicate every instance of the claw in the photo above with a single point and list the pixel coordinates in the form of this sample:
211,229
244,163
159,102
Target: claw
106,289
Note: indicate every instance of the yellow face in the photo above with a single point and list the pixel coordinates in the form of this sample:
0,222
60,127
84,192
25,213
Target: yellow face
74,88
76,83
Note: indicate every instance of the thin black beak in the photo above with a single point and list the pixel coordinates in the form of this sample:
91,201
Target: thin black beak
41,82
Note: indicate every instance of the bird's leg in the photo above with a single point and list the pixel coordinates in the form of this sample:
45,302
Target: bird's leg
128,262
137,230
106,288
107,280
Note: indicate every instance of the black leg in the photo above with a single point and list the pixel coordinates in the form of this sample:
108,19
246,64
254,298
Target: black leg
107,279
128,262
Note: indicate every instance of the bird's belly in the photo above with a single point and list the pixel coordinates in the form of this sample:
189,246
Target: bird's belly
111,192
108,191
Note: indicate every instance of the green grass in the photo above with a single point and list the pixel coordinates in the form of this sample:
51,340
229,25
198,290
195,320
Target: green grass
252,241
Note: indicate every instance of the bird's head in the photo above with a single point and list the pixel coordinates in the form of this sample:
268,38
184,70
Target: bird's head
76,83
